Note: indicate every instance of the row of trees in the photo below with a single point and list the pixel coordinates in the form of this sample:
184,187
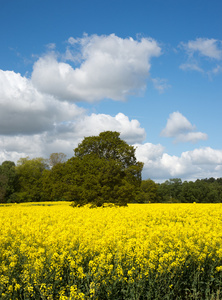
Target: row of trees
103,170
174,190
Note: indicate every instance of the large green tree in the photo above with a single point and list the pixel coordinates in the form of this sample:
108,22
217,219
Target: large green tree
104,169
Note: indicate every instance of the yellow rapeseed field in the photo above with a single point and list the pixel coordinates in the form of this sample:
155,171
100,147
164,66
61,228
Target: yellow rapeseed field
143,251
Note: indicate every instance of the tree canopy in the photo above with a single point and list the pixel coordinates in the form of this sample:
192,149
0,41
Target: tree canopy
107,145
110,171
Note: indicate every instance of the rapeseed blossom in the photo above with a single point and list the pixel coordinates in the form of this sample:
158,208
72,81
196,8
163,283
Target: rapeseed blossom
147,251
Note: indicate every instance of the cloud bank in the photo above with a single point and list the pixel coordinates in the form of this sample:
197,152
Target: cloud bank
25,110
191,165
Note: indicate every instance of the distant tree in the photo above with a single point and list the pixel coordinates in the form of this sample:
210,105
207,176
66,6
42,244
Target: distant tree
209,180
164,192
188,192
30,173
201,191
56,158
208,190
8,181
170,190
219,181
3,184
148,192
53,183
175,187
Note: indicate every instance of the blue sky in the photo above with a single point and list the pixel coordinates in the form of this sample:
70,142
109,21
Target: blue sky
151,70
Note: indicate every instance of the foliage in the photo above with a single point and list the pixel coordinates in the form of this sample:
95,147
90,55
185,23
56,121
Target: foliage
148,192
53,183
170,190
104,170
98,181
30,178
150,251
8,181
108,145
3,184
200,191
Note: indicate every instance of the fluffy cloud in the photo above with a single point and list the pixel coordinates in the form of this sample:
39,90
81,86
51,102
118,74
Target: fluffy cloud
204,156
24,110
198,163
94,124
110,67
159,165
192,137
148,153
177,124
181,129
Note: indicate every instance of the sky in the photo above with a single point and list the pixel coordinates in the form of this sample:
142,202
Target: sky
149,69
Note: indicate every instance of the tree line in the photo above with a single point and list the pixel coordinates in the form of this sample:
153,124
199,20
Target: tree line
103,169
208,190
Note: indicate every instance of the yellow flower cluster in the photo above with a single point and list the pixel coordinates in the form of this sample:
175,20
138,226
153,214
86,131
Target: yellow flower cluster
143,251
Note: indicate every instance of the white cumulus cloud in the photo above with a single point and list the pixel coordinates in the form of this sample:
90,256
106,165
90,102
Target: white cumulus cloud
131,131
110,67
24,110
181,129
190,165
